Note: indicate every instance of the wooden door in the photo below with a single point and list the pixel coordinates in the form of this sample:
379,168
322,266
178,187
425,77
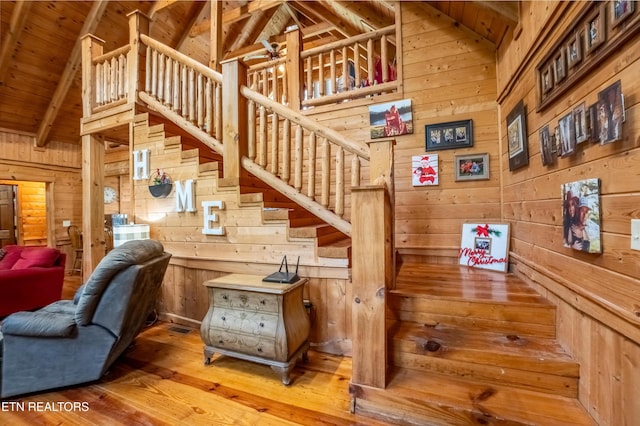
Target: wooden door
7,216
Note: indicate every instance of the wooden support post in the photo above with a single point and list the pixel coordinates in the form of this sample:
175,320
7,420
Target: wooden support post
137,55
91,47
295,70
92,203
371,231
215,45
381,163
234,110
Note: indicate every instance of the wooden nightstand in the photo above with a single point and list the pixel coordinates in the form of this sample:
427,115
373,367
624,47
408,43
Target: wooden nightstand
256,321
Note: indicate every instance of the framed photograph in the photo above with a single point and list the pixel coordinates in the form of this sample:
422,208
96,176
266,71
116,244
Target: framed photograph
580,123
556,141
517,137
621,10
472,167
547,78
485,246
559,66
455,134
610,113
574,51
424,170
390,119
595,29
581,215
592,123
546,146
567,135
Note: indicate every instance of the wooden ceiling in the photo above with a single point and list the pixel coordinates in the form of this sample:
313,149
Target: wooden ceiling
40,78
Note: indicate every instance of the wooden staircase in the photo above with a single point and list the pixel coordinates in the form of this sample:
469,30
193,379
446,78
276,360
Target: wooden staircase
471,346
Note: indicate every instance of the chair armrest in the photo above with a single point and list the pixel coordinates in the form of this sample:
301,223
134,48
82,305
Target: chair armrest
39,324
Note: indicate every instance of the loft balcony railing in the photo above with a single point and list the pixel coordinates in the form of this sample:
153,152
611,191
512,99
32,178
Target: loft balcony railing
330,74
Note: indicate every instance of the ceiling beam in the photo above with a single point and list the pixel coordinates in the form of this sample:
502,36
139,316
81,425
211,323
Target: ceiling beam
197,14
317,12
249,30
364,13
276,25
18,19
507,9
159,5
243,12
73,64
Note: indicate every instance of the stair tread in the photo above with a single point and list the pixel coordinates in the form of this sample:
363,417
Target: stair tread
431,398
481,347
455,282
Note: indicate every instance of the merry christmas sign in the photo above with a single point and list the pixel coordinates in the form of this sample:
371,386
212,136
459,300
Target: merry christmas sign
485,246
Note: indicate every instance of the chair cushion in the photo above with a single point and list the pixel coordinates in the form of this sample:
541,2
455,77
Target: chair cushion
43,257
11,256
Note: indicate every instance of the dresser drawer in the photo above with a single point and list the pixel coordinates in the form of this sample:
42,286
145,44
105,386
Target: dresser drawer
245,300
250,345
253,323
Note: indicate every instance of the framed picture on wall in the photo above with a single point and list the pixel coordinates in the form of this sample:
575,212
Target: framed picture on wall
610,113
517,137
574,50
424,170
621,10
391,119
593,122
581,215
567,135
485,246
472,167
546,148
580,123
595,30
547,78
560,66
451,135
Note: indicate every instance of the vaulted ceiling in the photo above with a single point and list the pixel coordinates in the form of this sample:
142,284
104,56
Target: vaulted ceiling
40,78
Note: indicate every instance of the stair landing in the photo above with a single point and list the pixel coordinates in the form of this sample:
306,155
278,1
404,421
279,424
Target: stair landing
472,346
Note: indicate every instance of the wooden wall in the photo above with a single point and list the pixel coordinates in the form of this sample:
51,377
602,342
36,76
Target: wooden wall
449,75
596,294
57,169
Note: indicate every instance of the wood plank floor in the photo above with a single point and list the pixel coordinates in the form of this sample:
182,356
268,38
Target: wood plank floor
162,380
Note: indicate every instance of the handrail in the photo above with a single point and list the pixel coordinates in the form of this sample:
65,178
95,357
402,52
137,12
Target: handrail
317,209
361,151
180,57
348,41
123,50
184,85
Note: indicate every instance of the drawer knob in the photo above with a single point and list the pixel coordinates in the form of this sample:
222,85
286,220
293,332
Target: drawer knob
259,349
221,341
261,324
223,318
263,302
225,297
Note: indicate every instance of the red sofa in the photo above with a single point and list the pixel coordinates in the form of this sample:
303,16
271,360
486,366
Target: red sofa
30,277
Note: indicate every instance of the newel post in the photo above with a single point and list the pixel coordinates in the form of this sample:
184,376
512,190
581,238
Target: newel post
136,58
294,69
92,47
373,269
234,110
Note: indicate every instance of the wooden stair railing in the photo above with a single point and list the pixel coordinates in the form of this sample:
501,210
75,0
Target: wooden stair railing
335,72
